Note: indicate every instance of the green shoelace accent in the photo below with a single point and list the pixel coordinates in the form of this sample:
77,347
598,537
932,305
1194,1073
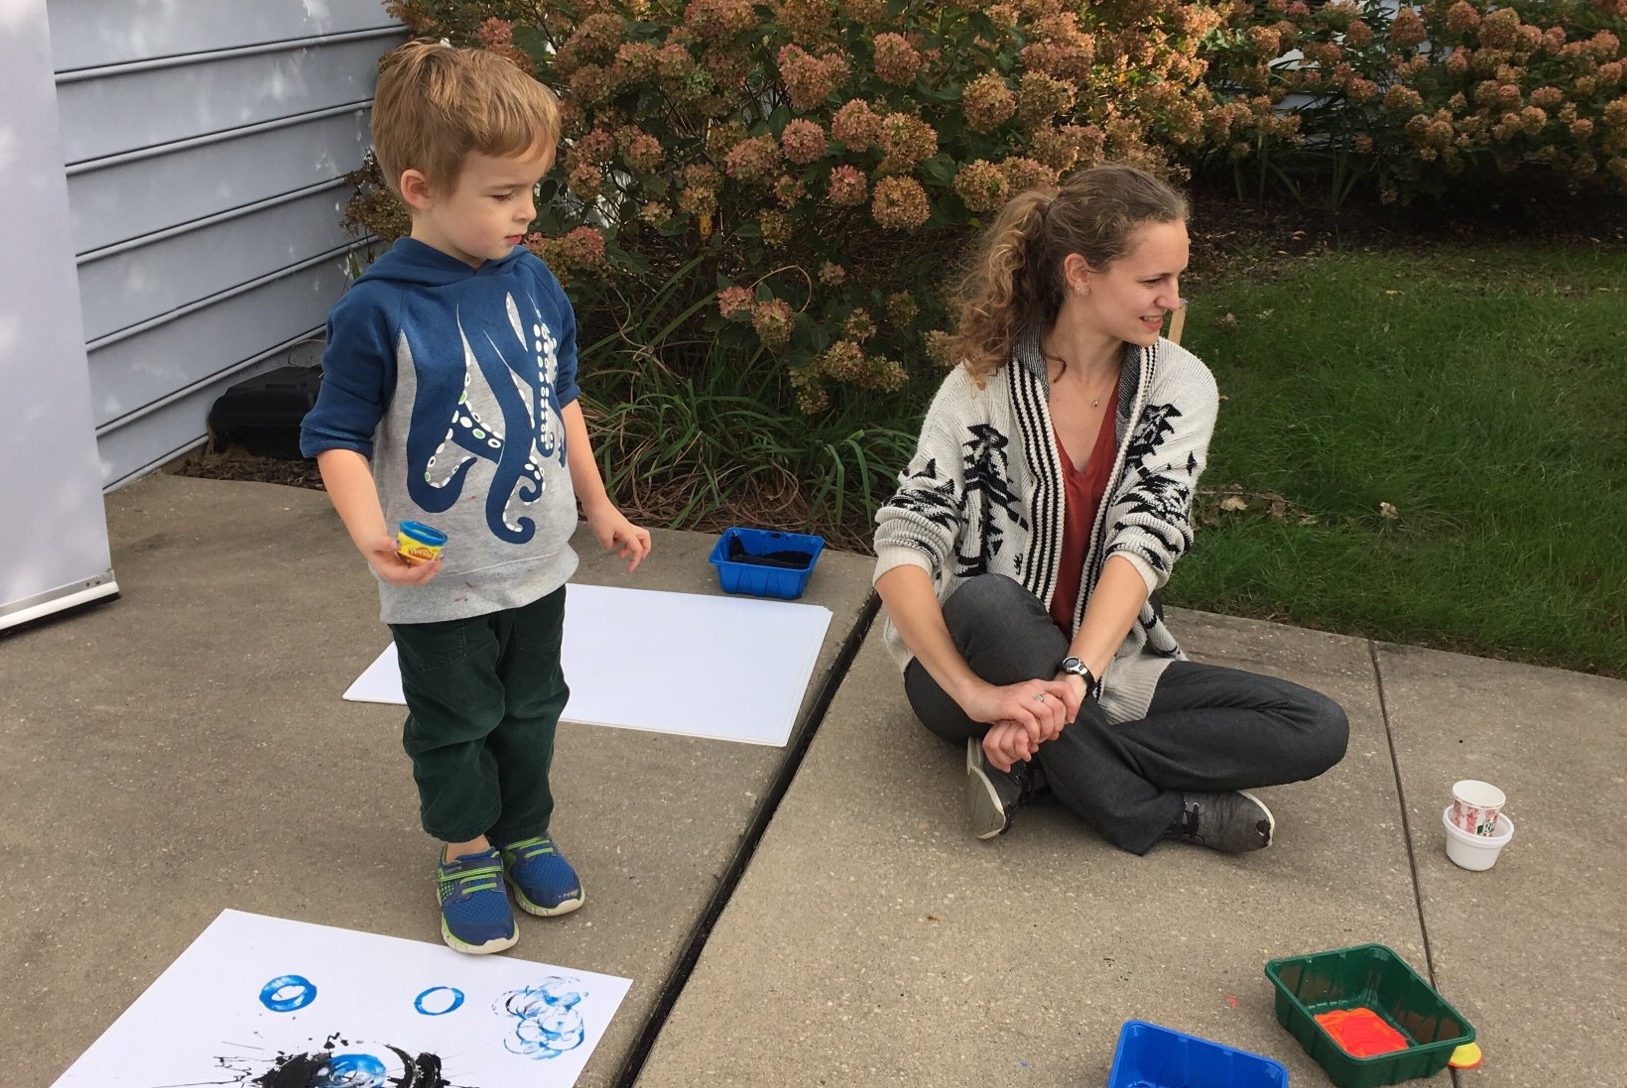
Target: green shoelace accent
467,882
527,849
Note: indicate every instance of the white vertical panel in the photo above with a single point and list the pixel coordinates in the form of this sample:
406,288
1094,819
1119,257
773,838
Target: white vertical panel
56,550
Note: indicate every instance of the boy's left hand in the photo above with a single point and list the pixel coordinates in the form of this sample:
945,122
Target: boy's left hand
615,533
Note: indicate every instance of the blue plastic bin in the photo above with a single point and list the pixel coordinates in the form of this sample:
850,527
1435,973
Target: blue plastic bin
1150,1056
759,581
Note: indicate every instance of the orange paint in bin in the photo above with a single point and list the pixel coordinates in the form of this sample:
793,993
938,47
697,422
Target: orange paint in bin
419,543
1361,1032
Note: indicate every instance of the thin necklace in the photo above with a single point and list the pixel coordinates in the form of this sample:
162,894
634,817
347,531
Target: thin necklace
1098,398
1096,401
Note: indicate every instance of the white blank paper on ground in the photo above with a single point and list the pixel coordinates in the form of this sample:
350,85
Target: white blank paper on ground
726,668
257,1000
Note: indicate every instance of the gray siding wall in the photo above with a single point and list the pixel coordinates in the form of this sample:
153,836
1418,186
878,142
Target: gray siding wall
205,145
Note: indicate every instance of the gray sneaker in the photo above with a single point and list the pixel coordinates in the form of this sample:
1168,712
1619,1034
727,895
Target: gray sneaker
992,795
1232,822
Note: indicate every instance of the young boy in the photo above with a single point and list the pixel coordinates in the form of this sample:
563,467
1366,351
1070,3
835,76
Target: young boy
449,397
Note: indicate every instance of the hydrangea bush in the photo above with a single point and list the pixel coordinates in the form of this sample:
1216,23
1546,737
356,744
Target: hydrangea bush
1412,97
797,177
829,158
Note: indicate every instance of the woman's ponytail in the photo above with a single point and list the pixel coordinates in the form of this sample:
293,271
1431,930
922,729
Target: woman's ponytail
1001,291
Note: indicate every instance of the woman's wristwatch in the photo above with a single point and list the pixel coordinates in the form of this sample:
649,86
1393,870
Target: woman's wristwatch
1075,667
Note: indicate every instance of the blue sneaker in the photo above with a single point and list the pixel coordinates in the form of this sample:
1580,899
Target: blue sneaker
544,882
475,912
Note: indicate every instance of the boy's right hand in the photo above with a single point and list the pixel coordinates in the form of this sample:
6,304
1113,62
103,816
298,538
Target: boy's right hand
386,560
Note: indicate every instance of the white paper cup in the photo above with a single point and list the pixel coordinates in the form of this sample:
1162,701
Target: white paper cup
1475,806
1477,852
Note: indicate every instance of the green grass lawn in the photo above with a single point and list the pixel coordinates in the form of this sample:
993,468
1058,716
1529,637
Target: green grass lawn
1481,393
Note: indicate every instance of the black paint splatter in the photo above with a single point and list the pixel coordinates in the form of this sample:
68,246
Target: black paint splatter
315,1068
308,1070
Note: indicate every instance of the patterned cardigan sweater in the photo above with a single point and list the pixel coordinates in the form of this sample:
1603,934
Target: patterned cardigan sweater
984,494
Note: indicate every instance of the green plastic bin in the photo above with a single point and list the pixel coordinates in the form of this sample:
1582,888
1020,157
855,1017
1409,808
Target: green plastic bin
1373,976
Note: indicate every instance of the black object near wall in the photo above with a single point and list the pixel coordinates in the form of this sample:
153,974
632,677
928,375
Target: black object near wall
262,414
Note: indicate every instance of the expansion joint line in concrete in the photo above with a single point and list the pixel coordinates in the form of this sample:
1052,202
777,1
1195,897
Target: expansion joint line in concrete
1401,797
1406,827
690,954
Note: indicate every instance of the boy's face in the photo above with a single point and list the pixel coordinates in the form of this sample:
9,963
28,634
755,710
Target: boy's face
487,210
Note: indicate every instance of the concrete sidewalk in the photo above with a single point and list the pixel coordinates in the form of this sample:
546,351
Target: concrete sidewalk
184,750
871,942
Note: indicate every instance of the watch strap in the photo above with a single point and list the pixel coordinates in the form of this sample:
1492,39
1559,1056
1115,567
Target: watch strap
1093,686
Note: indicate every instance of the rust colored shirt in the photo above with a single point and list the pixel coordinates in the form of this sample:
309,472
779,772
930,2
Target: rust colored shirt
1084,497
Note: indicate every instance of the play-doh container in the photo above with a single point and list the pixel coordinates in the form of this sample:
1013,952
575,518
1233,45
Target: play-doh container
419,543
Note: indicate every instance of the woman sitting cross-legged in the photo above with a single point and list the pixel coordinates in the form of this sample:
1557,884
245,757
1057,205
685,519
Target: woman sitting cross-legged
1049,497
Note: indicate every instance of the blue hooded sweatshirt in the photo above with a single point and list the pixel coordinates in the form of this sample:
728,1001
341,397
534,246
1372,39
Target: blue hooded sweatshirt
451,380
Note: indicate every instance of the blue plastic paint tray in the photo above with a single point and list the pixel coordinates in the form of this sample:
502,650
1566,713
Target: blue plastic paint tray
741,557
1150,1056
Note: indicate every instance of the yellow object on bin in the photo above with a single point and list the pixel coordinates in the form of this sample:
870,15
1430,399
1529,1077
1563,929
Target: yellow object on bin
1466,1056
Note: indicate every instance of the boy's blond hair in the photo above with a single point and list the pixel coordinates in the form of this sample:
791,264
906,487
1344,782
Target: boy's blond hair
436,103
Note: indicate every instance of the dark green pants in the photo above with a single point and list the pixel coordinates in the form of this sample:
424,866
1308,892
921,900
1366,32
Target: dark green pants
483,698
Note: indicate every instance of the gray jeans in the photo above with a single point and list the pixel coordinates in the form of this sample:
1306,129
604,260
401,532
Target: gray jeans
1208,728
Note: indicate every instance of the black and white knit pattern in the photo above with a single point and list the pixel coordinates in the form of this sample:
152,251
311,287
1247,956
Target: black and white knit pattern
985,494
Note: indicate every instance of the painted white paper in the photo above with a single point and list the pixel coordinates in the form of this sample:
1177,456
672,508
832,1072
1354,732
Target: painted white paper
725,668
254,997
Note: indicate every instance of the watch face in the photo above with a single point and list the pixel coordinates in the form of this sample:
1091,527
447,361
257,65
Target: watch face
1073,665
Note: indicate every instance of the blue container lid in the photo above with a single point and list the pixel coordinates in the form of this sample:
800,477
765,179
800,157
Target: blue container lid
424,534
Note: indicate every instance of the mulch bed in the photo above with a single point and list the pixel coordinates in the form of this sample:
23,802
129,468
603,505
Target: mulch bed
237,464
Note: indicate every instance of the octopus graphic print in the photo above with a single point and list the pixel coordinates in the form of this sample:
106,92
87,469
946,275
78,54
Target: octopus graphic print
506,415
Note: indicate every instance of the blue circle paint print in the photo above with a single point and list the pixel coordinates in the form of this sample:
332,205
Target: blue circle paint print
438,1000
287,993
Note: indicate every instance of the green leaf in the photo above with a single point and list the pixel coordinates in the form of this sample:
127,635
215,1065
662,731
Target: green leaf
631,262
940,169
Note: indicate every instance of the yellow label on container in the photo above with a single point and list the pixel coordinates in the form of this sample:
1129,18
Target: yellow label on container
416,551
